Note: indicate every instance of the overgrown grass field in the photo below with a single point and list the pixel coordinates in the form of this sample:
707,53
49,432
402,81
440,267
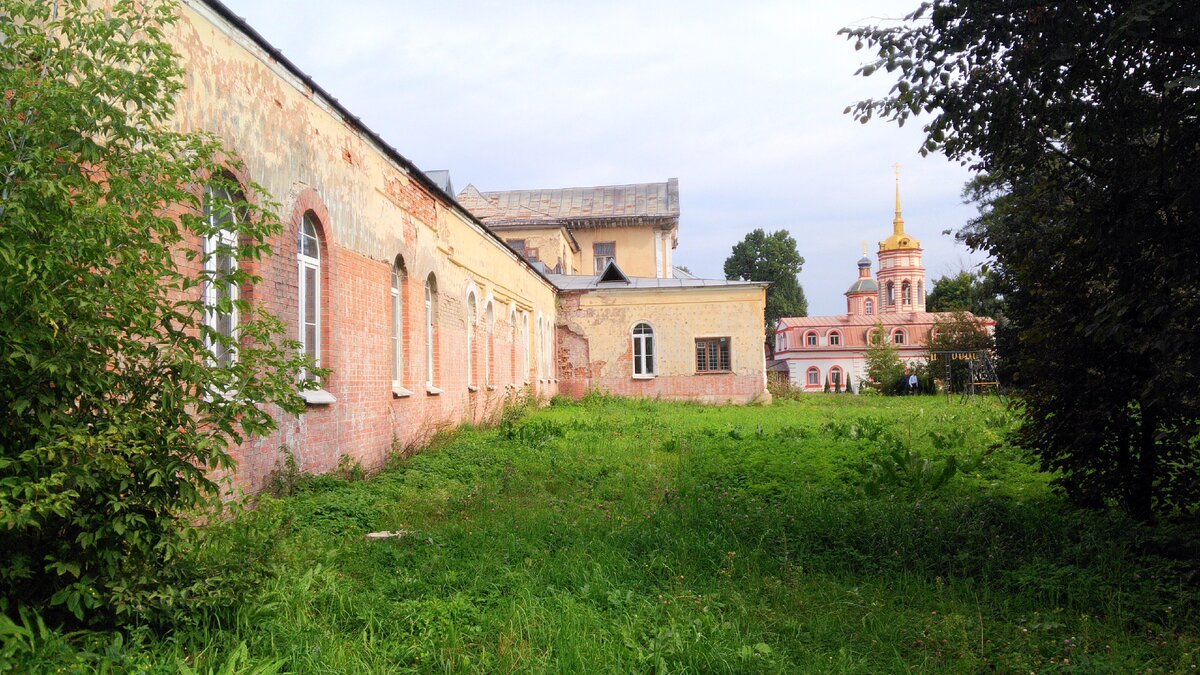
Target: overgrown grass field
821,535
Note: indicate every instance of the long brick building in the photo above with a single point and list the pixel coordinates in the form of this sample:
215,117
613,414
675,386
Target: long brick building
421,310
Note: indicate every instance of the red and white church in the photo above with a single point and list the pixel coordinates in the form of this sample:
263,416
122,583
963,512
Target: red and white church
817,349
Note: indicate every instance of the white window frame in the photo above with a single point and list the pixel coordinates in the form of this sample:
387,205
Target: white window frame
870,306
641,354
899,333
472,319
305,263
223,238
815,340
810,374
601,260
834,338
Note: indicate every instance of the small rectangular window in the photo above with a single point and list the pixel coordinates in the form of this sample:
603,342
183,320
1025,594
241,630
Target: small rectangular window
517,245
712,355
531,254
604,252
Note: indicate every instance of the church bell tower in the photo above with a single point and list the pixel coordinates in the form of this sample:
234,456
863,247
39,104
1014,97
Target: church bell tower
901,272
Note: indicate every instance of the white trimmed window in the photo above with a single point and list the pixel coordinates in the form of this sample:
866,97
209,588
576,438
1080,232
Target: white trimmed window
220,261
472,322
810,338
643,350
813,377
870,306
399,281
891,293
835,338
309,263
431,307
906,292
835,376
489,317
899,337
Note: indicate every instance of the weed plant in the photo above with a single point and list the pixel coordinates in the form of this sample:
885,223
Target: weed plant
613,535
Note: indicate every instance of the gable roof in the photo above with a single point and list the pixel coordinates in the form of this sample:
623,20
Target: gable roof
579,206
612,273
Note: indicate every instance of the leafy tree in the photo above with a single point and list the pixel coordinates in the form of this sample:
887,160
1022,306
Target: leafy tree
974,292
959,332
771,257
885,370
1082,118
118,400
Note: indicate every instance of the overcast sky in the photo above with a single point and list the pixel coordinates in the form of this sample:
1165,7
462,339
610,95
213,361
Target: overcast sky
742,102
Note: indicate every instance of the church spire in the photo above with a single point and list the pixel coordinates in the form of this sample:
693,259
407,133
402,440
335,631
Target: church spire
898,221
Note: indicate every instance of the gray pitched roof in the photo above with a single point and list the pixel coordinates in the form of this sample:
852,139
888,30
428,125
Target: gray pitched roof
864,285
636,202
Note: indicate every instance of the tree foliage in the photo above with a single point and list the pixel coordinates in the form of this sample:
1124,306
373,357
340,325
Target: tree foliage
1083,118
771,257
884,367
116,410
960,332
974,292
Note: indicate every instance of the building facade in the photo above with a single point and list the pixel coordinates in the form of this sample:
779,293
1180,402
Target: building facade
832,349
424,315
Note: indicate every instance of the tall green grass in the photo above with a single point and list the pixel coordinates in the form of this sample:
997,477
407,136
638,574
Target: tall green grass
618,536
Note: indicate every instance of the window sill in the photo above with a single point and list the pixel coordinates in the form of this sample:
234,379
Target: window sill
399,391
431,390
714,372
472,388
317,397
644,377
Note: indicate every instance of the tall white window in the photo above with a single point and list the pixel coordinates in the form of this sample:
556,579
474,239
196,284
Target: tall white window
309,260
891,293
220,261
489,334
471,324
835,338
524,346
430,330
643,350
870,305
906,292
399,281
813,377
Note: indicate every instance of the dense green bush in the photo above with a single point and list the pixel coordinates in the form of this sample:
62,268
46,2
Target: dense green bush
116,413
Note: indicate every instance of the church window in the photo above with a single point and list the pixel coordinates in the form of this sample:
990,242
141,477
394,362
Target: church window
906,292
814,376
309,262
870,306
899,337
712,355
835,338
220,262
643,350
525,342
891,293
810,338
835,376
604,252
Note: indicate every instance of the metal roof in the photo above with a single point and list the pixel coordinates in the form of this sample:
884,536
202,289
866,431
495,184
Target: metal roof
579,282
638,201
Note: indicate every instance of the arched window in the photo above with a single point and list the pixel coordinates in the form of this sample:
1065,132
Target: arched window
489,327
512,345
891,293
309,260
906,292
472,320
835,338
643,350
525,346
933,334
813,377
399,282
781,341
431,320
810,338
540,348
220,263
921,292
871,336
899,337
835,376
870,306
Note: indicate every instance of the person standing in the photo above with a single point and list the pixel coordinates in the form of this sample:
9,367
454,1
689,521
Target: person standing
912,382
